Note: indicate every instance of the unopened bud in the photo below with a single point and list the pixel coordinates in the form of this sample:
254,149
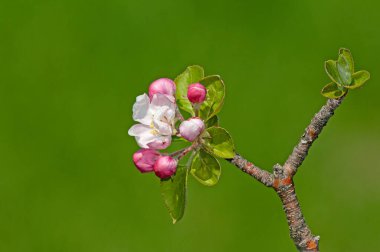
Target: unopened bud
165,166
162,86
196,93
145,159
191,128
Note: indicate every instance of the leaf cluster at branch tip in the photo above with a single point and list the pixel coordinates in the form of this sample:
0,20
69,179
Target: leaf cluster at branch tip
343,75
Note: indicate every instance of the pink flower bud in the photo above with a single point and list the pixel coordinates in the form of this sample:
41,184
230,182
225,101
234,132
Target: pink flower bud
162,86
165,166
191,128
145,159
196,93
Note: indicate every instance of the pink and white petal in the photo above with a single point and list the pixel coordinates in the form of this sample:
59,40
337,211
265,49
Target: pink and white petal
160,100
169,115
163,128
144,140
143,134
160,142
145,137
161,121
171,98
138,130
141,111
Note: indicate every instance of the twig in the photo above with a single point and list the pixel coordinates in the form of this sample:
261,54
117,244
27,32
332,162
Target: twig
311,133
281,180
261,175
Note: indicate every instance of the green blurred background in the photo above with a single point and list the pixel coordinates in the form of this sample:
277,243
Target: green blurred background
70,72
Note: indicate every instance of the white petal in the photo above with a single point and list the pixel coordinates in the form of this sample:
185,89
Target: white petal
138,129
170,115
141,110
163,128
143,134
163,121
144,140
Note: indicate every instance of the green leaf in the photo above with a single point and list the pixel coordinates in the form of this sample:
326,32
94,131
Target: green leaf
215,97
192,74
220,143
173,191
358,79
213,121
333,91
345,66
176,139
346,54
332,71
205,168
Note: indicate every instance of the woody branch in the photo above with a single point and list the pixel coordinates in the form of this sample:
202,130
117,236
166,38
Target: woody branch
281,180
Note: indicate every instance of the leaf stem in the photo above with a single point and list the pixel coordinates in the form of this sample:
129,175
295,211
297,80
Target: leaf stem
196,107
179,115
181,153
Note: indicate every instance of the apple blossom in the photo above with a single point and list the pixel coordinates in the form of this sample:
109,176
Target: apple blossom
191,128
156,118
157,114
165,166
162,86
196,93
145,159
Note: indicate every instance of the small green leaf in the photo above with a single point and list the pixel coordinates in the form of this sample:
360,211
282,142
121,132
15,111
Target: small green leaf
213,121
173,191
346,54
176,139
220,143
205,168
332,71
358,79
345,66
215,97
191,75
333,91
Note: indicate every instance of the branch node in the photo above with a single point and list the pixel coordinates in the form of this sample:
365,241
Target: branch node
278,171
282,178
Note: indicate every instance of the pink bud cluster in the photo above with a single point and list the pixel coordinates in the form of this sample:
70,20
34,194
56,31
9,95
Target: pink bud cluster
148,160
193,127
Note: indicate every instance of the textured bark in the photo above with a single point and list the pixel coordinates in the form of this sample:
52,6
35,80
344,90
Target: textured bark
299,230
281,180
311,133
261,175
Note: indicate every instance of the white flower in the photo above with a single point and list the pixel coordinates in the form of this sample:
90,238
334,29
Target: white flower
156,118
